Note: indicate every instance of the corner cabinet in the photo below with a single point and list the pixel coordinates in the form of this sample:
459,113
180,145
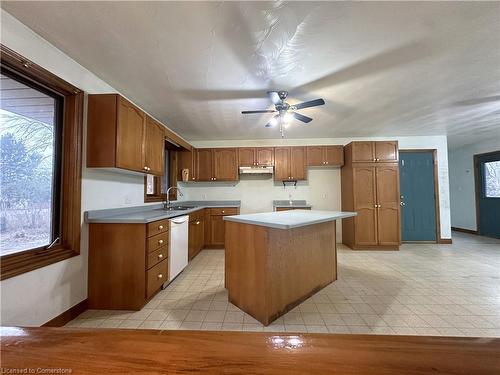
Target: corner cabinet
371,188
289,163
120,135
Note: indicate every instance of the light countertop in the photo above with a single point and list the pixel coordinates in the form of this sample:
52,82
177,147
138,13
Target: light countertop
289,219
150,213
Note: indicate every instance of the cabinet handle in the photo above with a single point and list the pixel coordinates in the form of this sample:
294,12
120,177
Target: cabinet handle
378,159
145,168
257,163
326,162
223,211
375,206
160,276
160,241
160,256
197,223
292,177
160,227
215,178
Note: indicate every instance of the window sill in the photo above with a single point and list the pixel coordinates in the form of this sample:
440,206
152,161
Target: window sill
30,260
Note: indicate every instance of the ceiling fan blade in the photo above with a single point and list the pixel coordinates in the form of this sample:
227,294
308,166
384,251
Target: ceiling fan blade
486,99
273,95
273,121
310,103
302,118
260,111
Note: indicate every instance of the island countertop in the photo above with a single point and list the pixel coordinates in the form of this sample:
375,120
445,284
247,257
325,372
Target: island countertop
289,219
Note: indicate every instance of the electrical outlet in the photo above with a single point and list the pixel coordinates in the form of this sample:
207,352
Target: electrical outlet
204,196
324,195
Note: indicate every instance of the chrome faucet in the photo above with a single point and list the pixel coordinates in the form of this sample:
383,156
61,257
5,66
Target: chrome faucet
166,205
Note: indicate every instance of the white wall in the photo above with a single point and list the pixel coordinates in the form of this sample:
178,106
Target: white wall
322,189
34,298
462,184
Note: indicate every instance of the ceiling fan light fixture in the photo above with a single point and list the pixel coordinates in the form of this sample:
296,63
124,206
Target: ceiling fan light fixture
287,117
273,121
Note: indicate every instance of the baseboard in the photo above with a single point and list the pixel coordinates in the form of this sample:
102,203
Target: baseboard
463,230
445,241
67,315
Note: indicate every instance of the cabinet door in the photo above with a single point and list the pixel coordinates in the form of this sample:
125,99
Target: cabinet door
388,200
281,163
298,163
264,156
363,151
315,156
364,194
130,137
217,230
246,157
386,151
204,164
154,147
334,155
225,164
200,235
187,160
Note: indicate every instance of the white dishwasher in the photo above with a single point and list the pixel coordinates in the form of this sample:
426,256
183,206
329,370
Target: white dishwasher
178,242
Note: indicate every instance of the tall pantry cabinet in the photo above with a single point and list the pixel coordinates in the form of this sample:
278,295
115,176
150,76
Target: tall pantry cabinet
370,186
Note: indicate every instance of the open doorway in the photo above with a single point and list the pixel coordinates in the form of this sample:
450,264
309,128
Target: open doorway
419,196
487,176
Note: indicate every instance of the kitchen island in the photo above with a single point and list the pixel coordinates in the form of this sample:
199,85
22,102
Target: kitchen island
276,260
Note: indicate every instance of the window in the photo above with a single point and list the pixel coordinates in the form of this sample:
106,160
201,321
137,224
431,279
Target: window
492,179
30,150
40,158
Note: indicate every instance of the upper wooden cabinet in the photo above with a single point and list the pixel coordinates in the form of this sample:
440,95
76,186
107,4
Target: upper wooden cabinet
216,164
255,156
154,147
290,163
187,159
332,156
379,151
119,136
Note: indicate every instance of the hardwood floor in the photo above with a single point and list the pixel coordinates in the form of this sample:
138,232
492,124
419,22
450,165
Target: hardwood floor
91,351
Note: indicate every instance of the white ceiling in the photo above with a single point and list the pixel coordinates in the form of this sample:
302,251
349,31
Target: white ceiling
384,69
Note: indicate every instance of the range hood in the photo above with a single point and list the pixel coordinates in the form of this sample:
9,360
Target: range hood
256,170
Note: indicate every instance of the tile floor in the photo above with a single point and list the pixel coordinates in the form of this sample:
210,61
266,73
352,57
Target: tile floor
424,289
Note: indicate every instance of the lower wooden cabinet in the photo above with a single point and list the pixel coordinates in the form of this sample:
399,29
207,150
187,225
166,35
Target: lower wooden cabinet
128,263
196,233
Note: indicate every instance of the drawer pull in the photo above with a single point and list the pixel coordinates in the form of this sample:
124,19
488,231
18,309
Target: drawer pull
223,211
160,227
160,276
160,256
197,223
160,241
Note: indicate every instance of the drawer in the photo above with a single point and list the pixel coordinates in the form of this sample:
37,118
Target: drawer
224,211
157,256
156,276
157,241
156,227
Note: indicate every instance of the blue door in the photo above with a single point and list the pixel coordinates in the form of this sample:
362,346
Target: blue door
488,183
418,200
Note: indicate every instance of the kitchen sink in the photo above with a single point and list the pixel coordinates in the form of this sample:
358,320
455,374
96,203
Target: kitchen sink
177,208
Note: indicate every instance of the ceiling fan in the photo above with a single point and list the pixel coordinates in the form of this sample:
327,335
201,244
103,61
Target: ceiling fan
285,112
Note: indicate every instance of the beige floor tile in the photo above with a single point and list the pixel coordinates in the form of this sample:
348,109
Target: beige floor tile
333,319
195,316
177,315
171,324
215,316
150,324
232,327
131,323
316,328
338,329
190,325
352,319
158,315
293,318
234,317
209,326
311,318
253,327
363,329
111,323
295,328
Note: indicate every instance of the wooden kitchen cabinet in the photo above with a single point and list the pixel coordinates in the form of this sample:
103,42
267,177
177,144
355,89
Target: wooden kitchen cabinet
128,263
196,233
215,226
372,190
332,156
204,164
225,166
187,159
290,163
255,156
119,136
217,164
154,147
378,151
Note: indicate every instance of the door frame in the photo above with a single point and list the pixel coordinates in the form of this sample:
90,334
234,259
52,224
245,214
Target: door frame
477,186
436,191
